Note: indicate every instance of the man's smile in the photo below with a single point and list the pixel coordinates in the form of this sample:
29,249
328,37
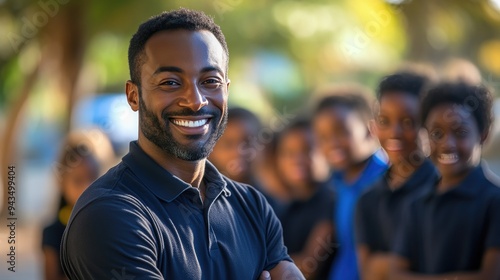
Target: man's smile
192,125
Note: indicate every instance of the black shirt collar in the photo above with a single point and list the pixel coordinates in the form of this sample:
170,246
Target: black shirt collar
162,183
418,178
470,187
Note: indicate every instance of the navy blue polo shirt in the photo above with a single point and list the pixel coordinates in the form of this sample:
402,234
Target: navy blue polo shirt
450,231
139,221
379,210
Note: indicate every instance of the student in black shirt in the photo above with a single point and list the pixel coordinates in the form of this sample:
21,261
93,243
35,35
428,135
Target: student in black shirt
452,231
307,220
378,215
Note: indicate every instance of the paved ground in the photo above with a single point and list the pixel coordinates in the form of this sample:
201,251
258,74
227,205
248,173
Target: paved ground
27,253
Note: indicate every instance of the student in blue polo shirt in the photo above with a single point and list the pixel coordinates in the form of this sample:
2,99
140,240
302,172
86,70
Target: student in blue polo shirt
165,212
452,231
378,213
340,123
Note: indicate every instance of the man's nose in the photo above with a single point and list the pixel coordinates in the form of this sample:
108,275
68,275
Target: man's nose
193,98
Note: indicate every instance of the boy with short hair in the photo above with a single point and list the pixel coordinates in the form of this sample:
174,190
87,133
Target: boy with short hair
378,213
341,127
452,231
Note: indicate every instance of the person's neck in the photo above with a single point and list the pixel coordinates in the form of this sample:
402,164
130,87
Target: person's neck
191,172
352,173
450,181
400,172
305,192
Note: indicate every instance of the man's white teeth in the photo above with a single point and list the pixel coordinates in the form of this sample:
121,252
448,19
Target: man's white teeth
448,158
393,145
187,123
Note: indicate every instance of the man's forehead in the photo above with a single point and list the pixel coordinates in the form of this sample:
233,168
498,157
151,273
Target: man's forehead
178,43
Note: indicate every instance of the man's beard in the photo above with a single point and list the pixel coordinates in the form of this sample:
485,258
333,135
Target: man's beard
161,134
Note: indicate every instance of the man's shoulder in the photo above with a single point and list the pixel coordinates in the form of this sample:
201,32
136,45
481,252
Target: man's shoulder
107,193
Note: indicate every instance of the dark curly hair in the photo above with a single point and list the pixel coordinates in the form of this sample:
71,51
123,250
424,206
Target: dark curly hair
177,19
477,100
406,82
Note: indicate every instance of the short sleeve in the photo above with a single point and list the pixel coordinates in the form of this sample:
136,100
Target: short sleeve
276,250
110,239
493,234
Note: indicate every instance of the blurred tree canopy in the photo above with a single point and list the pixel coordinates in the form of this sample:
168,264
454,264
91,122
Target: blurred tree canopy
280,50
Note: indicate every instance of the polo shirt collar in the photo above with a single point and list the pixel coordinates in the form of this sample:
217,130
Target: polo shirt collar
375,167
417,179
470,187
162,183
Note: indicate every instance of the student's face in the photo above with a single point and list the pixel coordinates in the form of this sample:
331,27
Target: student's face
229,153
454,139
293,158
342,137
397,126
183,96
77,179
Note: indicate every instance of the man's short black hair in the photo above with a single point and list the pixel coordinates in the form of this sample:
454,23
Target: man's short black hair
352,98
177,19
476,99
402,82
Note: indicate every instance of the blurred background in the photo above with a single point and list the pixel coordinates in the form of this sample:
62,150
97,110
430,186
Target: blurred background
63,66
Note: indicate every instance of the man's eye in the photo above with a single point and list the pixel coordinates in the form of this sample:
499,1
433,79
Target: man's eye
169,83
212,83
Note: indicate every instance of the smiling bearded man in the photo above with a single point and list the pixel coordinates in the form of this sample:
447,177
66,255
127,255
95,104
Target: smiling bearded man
165,212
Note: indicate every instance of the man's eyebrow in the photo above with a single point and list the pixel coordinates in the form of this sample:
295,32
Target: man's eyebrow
179,70
168,69
212,68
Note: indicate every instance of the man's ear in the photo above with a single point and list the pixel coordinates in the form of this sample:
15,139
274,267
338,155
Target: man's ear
132,91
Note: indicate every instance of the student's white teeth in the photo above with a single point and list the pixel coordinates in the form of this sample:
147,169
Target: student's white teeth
187,123
448,158
393,145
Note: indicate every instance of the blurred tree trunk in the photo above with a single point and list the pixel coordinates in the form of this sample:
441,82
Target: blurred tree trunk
63,45
417,15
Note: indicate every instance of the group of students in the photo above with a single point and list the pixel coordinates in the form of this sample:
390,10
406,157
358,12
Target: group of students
422,207
408,196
